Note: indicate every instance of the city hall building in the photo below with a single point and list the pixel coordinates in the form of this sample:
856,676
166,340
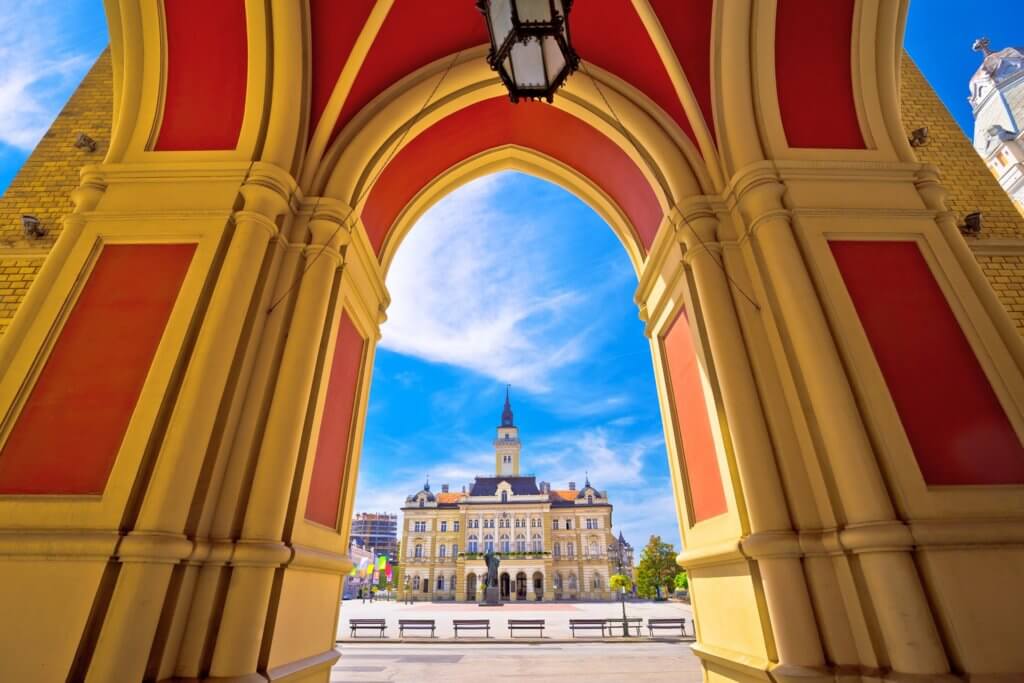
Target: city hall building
554,543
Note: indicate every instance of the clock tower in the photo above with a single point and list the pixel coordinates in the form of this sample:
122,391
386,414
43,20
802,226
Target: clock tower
506,444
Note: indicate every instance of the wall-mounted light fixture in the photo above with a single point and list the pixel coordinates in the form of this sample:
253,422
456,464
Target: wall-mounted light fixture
971,224
85,142
31,227
919,137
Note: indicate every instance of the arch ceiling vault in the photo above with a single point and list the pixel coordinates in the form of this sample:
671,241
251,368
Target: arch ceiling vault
184,388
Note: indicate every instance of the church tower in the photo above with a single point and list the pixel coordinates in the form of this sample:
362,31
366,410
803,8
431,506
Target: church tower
506,445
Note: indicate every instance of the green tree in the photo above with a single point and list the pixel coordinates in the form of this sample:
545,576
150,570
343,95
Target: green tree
657,568
620,582
682,581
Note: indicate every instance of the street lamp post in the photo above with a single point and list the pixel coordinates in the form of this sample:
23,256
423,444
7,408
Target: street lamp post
614,549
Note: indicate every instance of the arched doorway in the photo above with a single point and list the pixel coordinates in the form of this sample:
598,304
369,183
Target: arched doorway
505,586
259,237
471,587
538,586
520,585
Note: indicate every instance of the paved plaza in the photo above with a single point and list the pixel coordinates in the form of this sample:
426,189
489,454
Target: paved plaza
555,614
632,662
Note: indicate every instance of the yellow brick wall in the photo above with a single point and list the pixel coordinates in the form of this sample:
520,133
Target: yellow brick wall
43,186
1000,246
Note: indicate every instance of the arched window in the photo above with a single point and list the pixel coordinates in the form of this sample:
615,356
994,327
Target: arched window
440,583
451,583
558,582
472,544
505,543
488,543
538,543
521,543
442,551
598,582
422,504
504,496
558,550
593,548
419,551
455,549
570,549
590,499
572,582
416,583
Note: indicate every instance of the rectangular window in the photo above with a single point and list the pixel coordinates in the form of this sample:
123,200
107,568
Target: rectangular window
568,524
444,526
455,525
554,523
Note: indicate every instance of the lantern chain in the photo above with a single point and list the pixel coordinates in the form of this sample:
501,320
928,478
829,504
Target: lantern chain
686,222
368,186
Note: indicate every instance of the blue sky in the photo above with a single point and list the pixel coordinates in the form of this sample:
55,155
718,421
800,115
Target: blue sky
506,280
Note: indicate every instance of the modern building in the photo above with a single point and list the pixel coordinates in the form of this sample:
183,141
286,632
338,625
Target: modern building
554,543
376,531
997,102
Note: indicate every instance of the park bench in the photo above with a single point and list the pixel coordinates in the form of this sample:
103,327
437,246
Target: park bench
586,625
525,625
415,625
367,624
472,625
653,624
619,625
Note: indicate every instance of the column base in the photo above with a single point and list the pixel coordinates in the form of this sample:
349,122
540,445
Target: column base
315,669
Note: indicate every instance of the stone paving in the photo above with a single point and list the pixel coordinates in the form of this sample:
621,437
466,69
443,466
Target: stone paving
601,662
555,614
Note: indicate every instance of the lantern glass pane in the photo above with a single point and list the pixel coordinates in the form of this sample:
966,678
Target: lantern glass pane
554,60
528,65
501,20
534,10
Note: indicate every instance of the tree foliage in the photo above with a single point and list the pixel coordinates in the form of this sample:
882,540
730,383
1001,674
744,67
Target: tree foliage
620,582
682,581
657,568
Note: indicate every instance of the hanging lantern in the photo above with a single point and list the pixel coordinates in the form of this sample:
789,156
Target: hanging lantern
530,47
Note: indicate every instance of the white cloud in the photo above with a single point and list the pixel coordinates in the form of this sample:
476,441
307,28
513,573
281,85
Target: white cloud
472,287
38,69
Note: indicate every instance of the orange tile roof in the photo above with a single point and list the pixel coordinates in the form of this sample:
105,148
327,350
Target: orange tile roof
564,494
450,497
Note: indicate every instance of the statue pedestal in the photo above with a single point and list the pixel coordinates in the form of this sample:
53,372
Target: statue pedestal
492,598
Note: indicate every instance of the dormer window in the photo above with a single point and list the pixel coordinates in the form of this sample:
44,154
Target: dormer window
422,502
504,496
590,499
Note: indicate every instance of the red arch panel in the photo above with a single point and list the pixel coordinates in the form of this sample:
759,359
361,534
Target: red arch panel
207,61
496,122
414,34
815,82
334,28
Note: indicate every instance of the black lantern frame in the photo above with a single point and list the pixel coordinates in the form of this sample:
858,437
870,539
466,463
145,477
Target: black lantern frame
525,35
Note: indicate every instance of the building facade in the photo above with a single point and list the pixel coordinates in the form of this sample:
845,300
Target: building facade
997,102
377,531
554,543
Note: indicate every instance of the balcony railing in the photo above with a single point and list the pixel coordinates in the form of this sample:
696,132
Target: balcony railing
513,555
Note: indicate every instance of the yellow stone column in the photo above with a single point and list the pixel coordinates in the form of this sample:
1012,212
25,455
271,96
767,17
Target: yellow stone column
261,551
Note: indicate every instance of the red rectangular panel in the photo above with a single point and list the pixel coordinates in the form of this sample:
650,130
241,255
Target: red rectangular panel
700,457
68,434
336,427
954,421
815,84
207,64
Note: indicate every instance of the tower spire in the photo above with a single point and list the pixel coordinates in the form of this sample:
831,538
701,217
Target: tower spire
506,414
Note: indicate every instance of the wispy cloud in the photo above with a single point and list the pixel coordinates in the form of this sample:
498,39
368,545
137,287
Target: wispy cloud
471,288
42,56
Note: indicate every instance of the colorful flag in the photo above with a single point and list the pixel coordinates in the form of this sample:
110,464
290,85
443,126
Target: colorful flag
382,562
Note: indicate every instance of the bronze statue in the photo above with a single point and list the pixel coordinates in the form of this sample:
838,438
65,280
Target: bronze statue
492,562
